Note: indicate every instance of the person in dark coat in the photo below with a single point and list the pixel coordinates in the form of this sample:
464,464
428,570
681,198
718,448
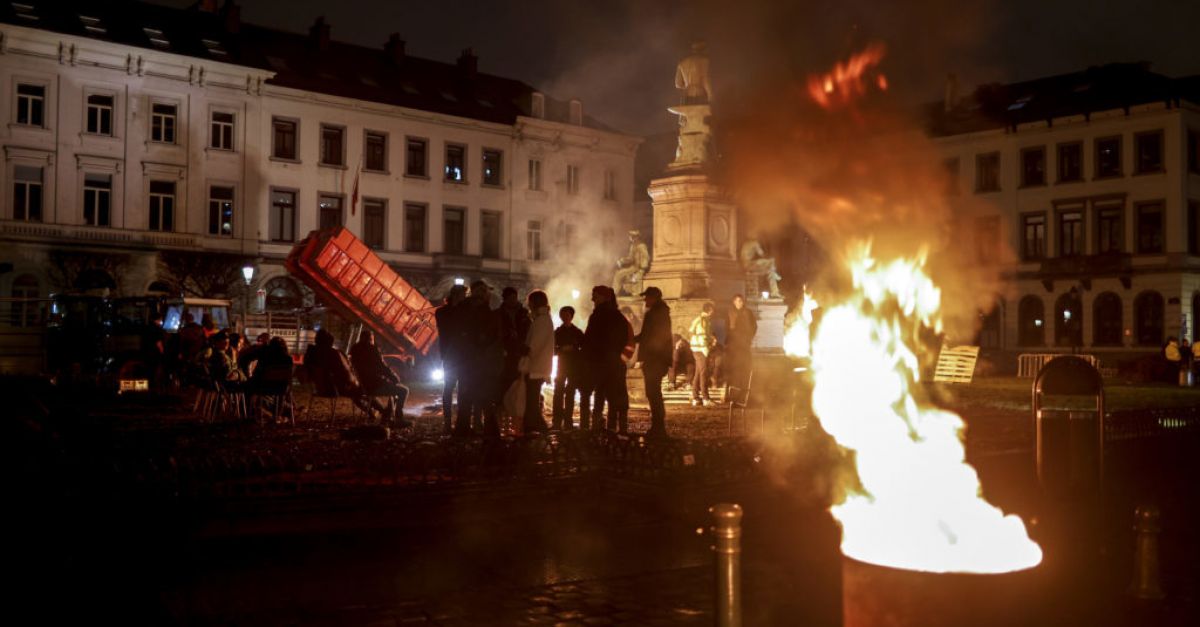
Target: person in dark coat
682,362
450,345
377,379
330,372
568,347
603,342
739,340
483,360
656,352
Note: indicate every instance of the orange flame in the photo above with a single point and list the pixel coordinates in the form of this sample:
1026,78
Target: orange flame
849,80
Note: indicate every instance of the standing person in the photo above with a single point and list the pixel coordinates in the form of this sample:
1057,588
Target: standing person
1185,358
539,343
655,350
568,345
1174,359
450,344
514,327
483,359
739,338
702,342
603,342
377,379
618,397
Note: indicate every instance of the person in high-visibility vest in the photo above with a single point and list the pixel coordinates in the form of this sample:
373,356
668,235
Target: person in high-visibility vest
702,342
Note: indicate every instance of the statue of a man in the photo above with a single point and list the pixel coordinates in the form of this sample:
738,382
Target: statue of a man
691,76
632,267
755,261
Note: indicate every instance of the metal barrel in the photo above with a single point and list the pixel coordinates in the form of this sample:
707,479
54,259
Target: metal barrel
727,549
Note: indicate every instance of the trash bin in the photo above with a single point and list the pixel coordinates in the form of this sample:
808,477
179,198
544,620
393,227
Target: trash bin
1068,413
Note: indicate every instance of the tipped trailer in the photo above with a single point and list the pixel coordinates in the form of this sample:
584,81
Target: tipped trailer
354,281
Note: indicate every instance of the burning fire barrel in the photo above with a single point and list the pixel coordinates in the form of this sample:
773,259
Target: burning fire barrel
1070,438
879,596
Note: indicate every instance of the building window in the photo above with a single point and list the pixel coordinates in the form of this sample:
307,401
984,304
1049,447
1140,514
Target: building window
1068,320
489,231
1148,152
610,185
454,230
1108,325
1033,239
1110,229
493,163
572,179
220,211
951,168
374,223
535,175
97,199
31,105
533,240
283,139
987,239
162,123
283,294
333,145
1033,166
281,225
1193,151
162,206
1148,319
1108,157
329,209
25,312
987,172
1070,233
456,163
416,157
414,228
1150,228
221,130
1031,323
99,114
27,193
1070,162
376,151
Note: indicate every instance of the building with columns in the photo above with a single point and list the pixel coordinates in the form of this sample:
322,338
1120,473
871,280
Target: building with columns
134,129
1093,179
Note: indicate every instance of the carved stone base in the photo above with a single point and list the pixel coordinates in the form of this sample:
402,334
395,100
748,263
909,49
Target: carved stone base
771,313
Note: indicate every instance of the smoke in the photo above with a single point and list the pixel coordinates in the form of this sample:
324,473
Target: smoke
589,244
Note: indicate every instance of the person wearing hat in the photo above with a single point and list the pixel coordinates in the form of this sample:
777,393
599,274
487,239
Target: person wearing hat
450,345
655,350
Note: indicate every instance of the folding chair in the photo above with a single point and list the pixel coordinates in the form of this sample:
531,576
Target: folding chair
739,399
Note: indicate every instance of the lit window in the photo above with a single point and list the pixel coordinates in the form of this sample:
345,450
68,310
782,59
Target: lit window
492,160
220,211
456,163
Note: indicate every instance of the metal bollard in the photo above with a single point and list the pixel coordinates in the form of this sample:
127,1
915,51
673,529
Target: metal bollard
1146,584
727,546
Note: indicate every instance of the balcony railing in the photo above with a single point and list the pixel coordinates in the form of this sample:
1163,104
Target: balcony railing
1087,265
108,235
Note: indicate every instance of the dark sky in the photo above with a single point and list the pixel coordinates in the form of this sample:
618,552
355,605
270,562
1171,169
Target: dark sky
618,56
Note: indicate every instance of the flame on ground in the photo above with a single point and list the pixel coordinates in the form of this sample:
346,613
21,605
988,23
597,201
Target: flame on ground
797,340
920,506
849,80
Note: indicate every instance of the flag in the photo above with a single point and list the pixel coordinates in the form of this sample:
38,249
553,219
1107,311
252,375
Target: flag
354,194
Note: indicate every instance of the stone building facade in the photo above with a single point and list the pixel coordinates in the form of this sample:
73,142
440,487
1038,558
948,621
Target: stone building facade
133,129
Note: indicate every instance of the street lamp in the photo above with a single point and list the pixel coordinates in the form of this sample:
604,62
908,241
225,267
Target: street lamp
248,274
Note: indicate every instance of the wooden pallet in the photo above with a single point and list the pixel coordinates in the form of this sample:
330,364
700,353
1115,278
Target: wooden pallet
956,365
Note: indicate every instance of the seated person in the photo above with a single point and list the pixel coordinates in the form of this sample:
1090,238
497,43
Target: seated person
272,366
378,379
682,362
222,366
251,352
330,373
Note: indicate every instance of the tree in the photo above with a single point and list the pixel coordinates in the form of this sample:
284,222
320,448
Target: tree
203,274
82,270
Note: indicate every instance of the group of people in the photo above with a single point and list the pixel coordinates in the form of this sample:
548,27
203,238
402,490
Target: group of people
488,353
1183,357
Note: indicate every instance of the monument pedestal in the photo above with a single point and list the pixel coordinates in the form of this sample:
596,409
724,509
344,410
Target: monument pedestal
695,240
771,313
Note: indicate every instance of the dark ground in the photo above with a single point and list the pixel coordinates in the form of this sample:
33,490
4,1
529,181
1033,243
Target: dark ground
612,549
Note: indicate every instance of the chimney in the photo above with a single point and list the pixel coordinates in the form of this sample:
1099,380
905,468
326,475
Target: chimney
233,17
319,33
394,48
950,100
468,62
575,112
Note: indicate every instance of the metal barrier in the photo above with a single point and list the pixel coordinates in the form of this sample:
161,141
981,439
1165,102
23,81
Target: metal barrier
1029,364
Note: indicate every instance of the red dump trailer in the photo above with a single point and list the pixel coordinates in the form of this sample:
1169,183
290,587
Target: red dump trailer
347,276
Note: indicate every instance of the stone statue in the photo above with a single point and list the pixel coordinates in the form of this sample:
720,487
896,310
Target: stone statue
755,261
632,267
691,76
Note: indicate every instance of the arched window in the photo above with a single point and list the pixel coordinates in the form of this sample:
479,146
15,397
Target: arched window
1107,323
1148,319
283,294
1068,320
991,325
25,313
1031,321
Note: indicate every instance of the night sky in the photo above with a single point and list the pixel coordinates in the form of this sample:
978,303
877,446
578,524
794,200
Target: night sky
618,56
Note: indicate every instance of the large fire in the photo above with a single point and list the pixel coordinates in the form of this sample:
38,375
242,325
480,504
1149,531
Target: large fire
849,80
919,506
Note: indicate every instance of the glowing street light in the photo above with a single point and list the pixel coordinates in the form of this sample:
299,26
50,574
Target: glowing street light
248,273
574,294
459,281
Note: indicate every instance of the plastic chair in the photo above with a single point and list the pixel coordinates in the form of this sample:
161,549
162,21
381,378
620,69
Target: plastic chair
322,388
739,399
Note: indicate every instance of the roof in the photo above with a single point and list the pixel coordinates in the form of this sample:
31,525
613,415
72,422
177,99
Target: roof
300,61
1100,88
